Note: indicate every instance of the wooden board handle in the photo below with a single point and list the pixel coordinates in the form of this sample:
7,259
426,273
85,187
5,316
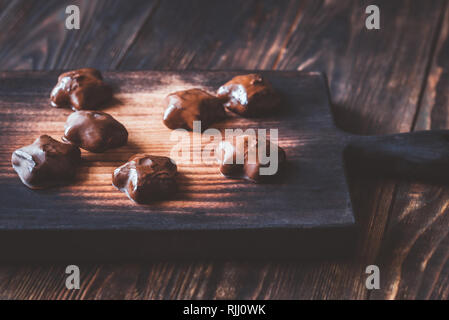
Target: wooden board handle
422,155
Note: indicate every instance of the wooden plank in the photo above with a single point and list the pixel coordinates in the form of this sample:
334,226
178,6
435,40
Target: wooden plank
296,215
375,88
414,255
434,109
330,36
338,42
4,4
350,82
34,36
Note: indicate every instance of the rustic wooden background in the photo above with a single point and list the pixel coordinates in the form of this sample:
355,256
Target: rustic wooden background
392,80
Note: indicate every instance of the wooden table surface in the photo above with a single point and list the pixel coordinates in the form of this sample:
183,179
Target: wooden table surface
395,79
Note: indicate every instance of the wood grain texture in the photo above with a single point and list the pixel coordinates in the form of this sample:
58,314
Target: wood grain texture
214,35
330,36
387,99
434,109
309,35
367,72
224,216
415,252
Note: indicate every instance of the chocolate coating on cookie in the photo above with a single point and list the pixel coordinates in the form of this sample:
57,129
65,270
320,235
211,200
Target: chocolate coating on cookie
94,131
80,89
239,158
145,178
249,95
184,107
46,163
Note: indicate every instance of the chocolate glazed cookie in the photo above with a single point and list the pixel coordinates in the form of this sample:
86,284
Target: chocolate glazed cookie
46,163
95,131
249,95
146,178
80,89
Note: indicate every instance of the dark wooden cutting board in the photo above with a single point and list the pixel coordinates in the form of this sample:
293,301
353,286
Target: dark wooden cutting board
306,212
